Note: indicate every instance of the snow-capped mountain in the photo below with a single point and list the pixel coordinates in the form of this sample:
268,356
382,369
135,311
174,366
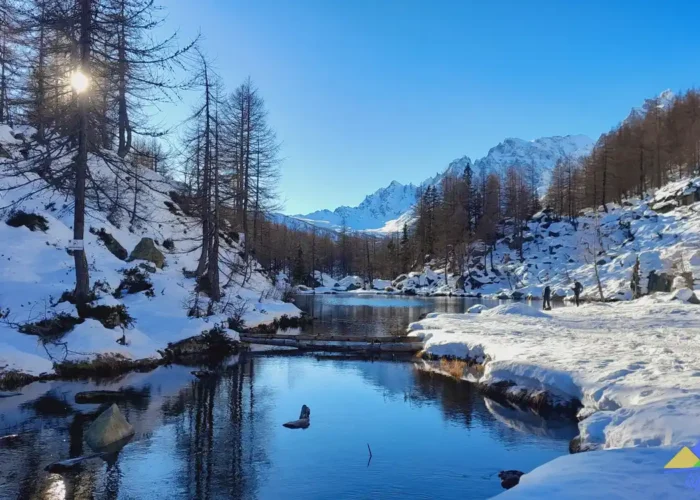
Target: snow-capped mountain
543,153
663,101
388,209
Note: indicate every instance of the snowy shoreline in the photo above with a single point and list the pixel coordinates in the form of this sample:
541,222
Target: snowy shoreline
632,365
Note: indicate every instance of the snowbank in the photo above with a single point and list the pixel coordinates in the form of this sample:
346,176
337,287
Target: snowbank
634,363
615,474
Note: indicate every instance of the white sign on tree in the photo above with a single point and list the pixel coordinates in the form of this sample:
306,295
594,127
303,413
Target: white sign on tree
75,245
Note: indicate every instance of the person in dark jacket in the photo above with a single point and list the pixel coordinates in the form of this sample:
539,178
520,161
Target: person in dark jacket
547,299
578,288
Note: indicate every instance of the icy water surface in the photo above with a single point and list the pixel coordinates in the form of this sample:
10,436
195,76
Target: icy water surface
430,436
378,315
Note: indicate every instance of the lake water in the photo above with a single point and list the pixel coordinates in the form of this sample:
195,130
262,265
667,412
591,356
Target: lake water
377,315
430,436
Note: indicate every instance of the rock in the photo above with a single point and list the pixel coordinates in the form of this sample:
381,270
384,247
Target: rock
303,421
476,309
659,282
111,243
97,397
146,250
389,289
351,287
109,428
203,374
409,291
147,267
510,478
516,295
686,295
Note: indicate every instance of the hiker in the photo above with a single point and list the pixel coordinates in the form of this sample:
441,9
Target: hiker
578,288
546,299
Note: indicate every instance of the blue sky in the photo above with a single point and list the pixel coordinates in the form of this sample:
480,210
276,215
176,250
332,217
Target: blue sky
363,92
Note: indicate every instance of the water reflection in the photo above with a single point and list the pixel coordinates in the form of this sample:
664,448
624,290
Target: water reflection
431,437
375,315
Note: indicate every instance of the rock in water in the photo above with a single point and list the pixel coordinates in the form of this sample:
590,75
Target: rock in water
510,478
109,428
303,421
146,250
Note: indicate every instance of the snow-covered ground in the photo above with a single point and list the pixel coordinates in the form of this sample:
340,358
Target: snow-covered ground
633,365
35,269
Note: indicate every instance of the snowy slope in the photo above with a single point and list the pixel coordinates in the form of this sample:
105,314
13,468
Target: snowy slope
35,269
387,209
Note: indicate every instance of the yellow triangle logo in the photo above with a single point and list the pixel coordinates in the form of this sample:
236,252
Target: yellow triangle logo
684,459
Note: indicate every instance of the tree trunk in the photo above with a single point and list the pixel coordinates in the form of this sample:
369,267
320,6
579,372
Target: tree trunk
123,118
82,277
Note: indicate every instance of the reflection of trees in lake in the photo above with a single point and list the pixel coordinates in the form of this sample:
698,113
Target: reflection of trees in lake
372,314
461,402
216,427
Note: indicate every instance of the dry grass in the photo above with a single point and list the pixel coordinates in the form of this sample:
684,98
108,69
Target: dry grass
454,367
12,379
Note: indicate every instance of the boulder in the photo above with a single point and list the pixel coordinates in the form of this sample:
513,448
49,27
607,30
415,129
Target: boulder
510,478
146,250
476,309
659,282
516,295
686,295
109,428
351,287
303,421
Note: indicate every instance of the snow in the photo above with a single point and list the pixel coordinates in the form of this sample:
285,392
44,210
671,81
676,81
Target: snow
7,135
380,284
35,270
616,474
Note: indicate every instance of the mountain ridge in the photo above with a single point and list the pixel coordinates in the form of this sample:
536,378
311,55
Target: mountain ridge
387,209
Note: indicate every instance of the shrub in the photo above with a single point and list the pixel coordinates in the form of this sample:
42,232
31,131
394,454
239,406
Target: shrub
103,365
33,222
51,329
454,367
135,281
110,316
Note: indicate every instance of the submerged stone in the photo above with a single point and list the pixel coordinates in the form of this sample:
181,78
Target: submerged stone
303,421
109,428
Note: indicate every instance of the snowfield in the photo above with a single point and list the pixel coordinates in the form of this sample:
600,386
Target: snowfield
35,269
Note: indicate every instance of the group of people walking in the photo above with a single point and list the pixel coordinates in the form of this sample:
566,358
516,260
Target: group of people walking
547,296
